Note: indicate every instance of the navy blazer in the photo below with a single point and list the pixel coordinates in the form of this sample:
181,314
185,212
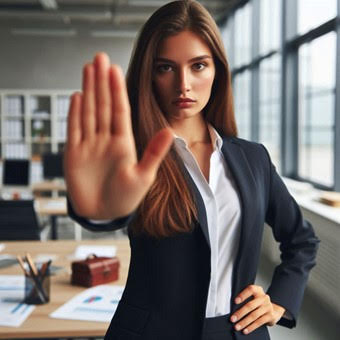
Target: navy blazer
167,286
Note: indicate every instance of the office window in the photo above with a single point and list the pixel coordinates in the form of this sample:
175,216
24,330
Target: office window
317,61
270,28
270,106
241,85
243,35
313,13
227,41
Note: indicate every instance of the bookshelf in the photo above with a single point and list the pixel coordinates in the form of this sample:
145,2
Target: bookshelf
33,122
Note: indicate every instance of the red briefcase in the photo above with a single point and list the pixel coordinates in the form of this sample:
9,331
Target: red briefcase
95,271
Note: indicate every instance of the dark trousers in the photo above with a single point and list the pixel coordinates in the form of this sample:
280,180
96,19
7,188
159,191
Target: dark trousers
221,328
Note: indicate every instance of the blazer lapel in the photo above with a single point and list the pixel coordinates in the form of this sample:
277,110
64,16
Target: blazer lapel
241,171
239,167
202,214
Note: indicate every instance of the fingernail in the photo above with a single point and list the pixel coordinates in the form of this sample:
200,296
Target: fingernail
237,300
238,327
234,318
245,331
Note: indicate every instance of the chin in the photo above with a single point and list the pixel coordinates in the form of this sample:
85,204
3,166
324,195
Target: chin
183,114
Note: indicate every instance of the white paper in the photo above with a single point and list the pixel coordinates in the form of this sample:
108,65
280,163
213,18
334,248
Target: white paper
55,204
13,311
45,257
7,256
83,251
94,304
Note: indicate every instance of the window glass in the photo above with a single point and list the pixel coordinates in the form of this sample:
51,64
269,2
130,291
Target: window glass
227,40
243,35
313,13
242,103
270,106
270,28
317,109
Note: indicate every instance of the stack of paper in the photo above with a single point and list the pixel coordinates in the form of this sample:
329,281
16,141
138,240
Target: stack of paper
13,311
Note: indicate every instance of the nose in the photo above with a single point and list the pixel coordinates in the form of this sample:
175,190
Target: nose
183,82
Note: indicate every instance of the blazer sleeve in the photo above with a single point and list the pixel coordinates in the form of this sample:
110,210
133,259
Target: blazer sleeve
109,226
298,247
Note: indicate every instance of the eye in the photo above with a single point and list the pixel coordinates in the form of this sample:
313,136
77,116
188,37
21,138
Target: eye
199,66
163,68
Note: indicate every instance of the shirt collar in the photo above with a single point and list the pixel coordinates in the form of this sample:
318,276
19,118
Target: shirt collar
216,139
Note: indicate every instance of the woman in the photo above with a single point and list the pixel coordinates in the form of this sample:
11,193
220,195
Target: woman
194,196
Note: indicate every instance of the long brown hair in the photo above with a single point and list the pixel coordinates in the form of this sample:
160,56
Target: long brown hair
169,206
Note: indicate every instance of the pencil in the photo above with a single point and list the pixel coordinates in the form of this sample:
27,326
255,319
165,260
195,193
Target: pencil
21,262
31,264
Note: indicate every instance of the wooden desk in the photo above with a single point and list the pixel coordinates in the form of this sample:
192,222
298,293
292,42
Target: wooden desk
46,206
39,324
52,207
50,186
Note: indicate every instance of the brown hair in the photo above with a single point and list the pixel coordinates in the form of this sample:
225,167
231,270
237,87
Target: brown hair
169,206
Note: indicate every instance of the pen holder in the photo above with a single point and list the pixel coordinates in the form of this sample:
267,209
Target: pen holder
37,290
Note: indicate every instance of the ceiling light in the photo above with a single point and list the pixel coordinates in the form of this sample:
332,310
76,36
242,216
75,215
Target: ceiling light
49,4
113,34
45,32
146,3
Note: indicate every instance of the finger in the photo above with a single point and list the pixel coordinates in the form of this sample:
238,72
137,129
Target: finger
251,290
121,117
74,133
155,152
263,320
249,307
251,317
88,109
103,95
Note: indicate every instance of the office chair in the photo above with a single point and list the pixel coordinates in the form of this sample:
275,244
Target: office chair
18,220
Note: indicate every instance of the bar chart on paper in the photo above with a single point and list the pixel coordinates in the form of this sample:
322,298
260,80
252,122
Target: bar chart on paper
94,304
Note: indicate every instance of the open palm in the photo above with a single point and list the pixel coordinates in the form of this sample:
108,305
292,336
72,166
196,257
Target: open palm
103,176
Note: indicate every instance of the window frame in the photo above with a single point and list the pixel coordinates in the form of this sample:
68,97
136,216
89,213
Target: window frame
289,83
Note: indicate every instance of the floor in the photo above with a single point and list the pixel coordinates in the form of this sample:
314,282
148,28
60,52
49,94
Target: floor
315,321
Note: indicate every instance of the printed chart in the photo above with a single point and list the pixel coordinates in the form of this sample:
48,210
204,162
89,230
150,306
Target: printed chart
94,304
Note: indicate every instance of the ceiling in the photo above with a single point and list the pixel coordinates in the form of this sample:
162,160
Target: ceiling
94,17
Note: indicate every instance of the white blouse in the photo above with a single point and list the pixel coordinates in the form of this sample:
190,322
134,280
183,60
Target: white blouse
223,210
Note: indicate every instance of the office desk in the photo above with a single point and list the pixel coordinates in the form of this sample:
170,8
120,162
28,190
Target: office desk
47,206
48,186
52,207
38,324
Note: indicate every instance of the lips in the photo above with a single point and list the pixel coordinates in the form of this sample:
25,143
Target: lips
183,100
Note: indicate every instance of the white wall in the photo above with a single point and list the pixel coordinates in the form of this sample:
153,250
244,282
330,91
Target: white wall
30,62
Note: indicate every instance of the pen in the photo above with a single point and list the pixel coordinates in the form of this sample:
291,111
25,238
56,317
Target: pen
44,268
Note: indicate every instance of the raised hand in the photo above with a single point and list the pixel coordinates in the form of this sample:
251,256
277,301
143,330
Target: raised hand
104,179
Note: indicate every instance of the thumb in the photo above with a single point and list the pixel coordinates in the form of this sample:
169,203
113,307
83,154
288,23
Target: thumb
156,150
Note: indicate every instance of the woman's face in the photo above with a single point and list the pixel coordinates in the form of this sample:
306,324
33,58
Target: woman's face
184,72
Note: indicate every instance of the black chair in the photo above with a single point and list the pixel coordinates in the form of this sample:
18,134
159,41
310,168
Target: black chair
18,220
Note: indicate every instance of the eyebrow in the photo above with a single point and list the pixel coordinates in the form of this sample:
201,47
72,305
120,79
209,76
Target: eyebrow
201,57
